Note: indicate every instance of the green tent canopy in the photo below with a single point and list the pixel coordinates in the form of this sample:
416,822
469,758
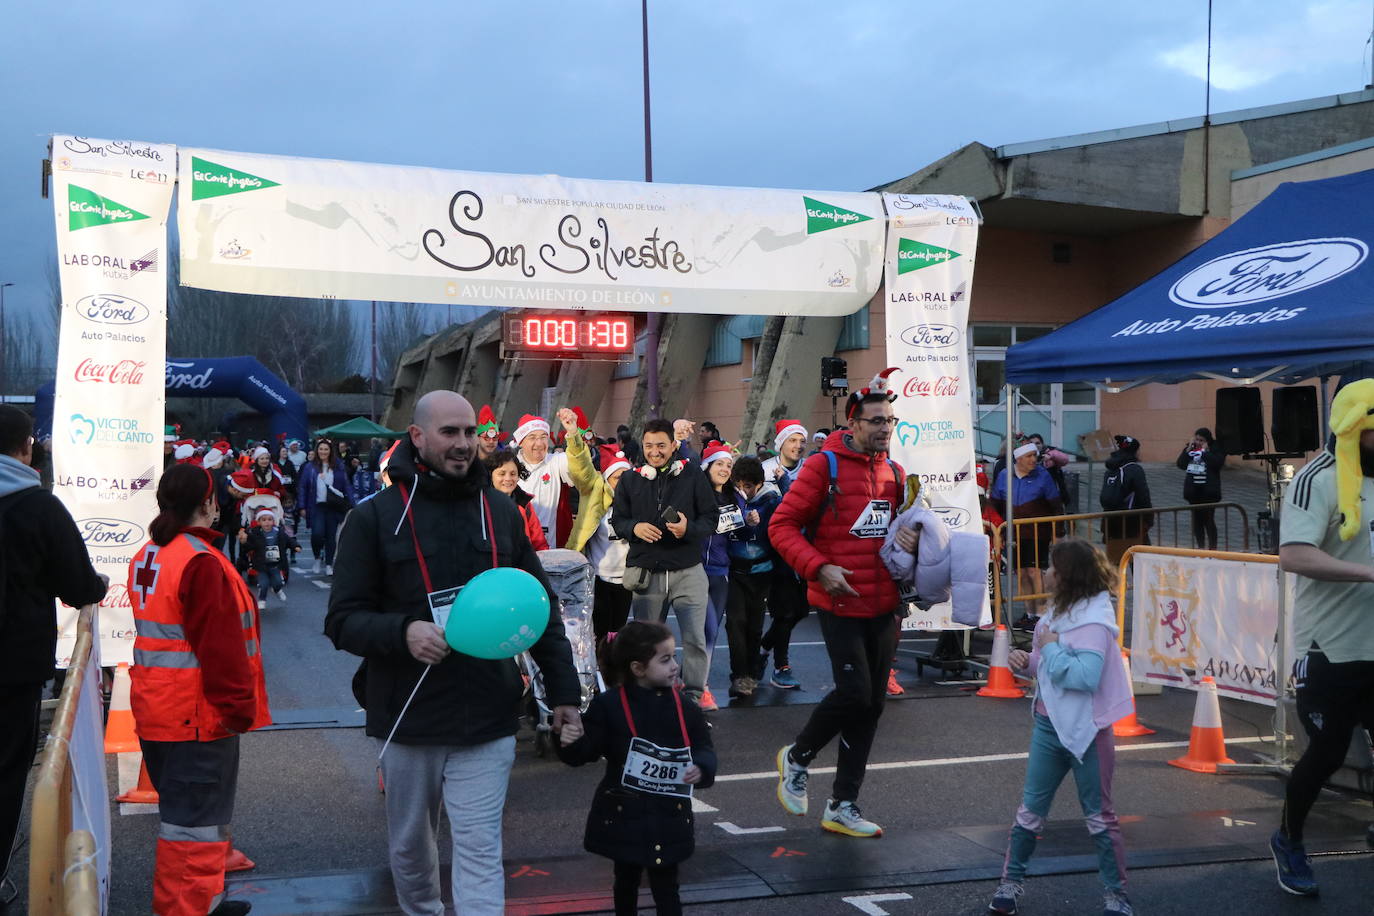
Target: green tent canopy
357,428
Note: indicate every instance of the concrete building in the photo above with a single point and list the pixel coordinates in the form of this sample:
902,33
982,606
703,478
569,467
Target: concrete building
1070,224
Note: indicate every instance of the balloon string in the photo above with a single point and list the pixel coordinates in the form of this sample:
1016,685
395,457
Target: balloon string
387,743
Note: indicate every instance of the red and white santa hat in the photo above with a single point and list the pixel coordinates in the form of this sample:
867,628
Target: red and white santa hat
212,459
265,512
184,451
259,452
529,423
612,460
785,428
715,450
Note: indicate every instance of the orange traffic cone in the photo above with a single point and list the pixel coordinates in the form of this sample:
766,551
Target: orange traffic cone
1207,745
237,861
143,793
1000,682
120,737
1129,726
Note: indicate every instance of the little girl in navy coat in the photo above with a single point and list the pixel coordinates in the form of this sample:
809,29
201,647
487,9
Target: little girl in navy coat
657,749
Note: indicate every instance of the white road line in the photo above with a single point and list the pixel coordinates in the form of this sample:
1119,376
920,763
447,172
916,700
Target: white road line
868,903
131,808
984,758
734,830
700,807
321,584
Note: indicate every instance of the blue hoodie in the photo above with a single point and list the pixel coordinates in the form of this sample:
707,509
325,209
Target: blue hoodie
750,549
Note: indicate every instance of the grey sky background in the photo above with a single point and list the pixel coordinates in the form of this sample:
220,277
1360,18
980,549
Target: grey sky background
764,93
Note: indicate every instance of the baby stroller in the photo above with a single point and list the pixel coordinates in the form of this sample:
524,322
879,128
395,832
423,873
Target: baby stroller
571,576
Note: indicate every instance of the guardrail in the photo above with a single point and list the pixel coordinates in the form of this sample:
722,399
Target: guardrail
1233,528
62,872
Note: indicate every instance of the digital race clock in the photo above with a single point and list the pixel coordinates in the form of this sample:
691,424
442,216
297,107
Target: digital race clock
567,335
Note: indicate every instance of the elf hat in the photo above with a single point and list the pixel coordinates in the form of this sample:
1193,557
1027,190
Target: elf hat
612,460
1352,412
529,423
584,426
784,429
487,424
713,451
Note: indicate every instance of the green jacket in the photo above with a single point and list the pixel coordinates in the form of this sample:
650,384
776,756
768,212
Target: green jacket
595,495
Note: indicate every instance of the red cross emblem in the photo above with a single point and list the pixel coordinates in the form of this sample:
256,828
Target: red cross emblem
145,576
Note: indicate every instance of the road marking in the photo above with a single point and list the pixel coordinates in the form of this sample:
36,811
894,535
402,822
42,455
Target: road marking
984,758
1236,822
734,830
321,584
700,807
868,903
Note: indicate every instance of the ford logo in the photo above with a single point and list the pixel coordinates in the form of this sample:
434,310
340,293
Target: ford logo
107,308
1269,272
952,516
931,336
109,532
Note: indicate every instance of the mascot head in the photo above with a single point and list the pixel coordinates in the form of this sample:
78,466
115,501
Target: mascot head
1352,412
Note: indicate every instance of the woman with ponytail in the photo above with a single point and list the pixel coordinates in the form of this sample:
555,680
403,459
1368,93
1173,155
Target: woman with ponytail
197,685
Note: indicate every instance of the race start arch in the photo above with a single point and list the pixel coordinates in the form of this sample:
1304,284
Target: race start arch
239,377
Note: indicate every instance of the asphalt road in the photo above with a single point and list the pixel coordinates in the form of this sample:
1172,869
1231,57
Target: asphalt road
946,781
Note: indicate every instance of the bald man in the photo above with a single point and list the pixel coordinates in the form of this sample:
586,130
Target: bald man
401,559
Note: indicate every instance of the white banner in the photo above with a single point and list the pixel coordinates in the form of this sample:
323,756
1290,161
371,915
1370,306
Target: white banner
321,228
932,241
1192,617
111,199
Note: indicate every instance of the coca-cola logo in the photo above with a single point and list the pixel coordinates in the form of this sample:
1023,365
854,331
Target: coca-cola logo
952,516
931,336
109,532
946,386
107,308
117,596
120,372
184,379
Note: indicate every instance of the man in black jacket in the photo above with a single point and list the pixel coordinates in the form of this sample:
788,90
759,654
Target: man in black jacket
439,525
666,510
42,557
1125,487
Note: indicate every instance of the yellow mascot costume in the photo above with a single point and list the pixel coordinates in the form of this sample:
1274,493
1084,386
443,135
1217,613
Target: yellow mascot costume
1352,412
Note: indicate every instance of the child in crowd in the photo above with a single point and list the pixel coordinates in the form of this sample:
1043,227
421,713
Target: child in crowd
1081,689
268,550
751,570
717,463
657,748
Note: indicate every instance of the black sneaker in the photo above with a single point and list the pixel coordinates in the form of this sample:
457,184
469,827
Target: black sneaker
1006,898
232,908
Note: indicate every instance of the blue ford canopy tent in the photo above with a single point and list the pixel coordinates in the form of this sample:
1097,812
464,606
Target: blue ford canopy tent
1283,294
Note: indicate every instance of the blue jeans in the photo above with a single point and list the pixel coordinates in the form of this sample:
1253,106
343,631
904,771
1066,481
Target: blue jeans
717,591
272,577
324,529
1049,763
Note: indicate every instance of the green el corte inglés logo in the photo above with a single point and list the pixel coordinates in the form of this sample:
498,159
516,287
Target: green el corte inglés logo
822,216
87,208
913,255
210,179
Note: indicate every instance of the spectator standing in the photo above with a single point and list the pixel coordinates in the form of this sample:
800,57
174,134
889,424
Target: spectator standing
326,495
1035,495
456,743
665,510
1124,487
1201,461
42,558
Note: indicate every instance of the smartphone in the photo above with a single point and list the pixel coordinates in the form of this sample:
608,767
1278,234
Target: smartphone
670,514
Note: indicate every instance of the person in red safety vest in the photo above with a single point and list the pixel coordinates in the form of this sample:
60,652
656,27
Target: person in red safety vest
197,684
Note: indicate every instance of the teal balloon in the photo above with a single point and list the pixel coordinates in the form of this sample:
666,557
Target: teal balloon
498,614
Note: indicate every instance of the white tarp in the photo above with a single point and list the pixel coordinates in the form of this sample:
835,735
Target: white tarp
931,244
111,199
1193,617
321,228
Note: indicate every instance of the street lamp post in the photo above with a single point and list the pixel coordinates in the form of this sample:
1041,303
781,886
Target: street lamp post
4,346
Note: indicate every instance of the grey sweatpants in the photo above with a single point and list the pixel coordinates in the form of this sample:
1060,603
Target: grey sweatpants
471,783
685,592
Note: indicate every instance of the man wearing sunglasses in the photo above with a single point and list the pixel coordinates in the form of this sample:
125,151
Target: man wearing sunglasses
829,528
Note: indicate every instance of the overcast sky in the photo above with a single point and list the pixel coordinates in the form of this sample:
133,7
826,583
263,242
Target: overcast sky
798,94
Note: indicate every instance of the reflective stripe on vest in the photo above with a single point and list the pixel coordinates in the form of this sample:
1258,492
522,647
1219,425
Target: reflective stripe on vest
152,629
154,658
176,833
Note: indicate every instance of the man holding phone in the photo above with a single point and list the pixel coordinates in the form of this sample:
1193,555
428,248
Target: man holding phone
666,509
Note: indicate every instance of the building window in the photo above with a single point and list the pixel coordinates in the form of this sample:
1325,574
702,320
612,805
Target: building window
632,368
727,341
854,332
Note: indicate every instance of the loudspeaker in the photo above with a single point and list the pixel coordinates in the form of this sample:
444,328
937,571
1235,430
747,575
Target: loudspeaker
1294,419
1240,421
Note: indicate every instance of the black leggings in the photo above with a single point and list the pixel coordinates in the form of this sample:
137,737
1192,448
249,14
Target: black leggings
1205,529
1333,698
662,884
788,607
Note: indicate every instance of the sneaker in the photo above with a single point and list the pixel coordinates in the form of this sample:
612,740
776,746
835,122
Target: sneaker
845,818
329,570
1116,904
1295,874
894,689
783,677
318,567
791,782
1006,897
740,687
708,702
1026,623
232,908
281,595
262,604
760,666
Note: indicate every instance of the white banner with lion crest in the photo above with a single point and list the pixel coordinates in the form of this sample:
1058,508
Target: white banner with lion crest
1193,617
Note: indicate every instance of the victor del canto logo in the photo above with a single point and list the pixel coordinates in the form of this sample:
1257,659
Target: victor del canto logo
1268,272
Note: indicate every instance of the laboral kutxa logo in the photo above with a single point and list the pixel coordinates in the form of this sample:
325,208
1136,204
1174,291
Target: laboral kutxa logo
822,216
1268,272
210,179
914,255
87,208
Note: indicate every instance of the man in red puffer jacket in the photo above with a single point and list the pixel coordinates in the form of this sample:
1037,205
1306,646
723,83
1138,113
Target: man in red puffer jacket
829,531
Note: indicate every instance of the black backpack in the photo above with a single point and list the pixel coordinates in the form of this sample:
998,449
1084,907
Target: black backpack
1114,489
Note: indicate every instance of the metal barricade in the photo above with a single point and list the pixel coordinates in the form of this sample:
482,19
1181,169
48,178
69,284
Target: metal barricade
62,876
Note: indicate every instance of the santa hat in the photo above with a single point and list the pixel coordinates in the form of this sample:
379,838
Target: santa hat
529,423
260,452
785,428
584,426
612,460
223,446
265,512
713,451
242,482
982,479
213,458
184,450
486,423
879,385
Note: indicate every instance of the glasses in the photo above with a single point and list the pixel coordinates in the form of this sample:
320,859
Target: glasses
878,422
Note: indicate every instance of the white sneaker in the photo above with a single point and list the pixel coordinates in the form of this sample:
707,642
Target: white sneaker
792,779
281,595
318,567
329,570
262,605
844,818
